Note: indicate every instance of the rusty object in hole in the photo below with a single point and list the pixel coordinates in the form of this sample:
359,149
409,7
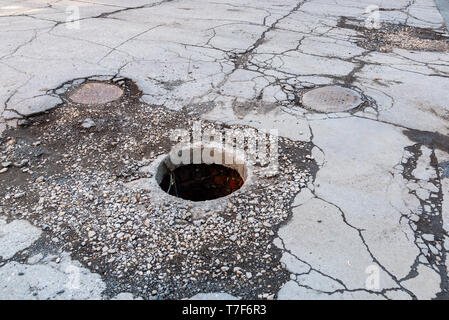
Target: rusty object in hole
201,182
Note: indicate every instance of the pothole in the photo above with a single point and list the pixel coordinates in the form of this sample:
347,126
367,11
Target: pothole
142,239
331,99
202,180
96,93
391,36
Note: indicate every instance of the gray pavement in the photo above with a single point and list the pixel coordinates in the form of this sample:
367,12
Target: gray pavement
443,7
371,224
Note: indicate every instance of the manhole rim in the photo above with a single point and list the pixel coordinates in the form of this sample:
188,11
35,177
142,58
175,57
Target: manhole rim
154,167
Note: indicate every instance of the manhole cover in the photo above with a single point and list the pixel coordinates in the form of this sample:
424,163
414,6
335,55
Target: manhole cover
96,93
201,182
331,99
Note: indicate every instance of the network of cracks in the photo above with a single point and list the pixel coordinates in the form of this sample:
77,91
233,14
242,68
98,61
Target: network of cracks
80,173
86,172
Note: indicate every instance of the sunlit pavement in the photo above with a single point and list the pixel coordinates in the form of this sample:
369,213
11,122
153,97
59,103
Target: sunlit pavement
370,222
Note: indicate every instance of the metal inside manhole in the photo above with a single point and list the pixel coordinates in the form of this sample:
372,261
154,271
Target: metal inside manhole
96,93
332,99
208,180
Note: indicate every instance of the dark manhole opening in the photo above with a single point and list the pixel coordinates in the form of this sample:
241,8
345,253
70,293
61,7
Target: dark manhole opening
201,182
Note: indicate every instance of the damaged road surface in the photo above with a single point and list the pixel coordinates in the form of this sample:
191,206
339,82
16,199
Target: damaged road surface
348,98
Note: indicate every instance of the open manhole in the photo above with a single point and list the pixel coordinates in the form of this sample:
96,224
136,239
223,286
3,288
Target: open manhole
203,181
96,93
331,99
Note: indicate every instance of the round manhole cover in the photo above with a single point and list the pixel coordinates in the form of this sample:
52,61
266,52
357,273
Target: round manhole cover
331,99
96,93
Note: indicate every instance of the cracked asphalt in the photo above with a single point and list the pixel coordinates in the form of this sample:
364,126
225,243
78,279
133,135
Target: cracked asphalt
359,209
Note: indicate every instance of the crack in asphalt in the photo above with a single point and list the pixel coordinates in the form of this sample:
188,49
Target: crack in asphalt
245,60
430,221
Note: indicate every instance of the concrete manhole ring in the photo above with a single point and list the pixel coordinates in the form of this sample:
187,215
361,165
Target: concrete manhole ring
331,99
199,207
96,93
201,180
